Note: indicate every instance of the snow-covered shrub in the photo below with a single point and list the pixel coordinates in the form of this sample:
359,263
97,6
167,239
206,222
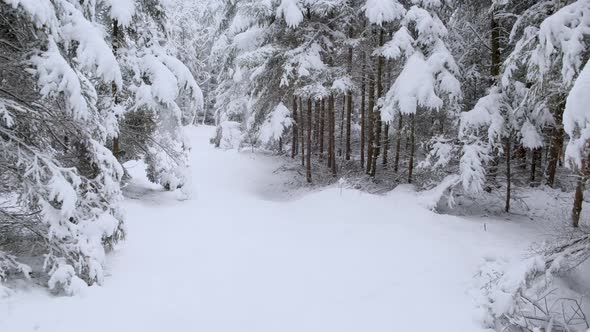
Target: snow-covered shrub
228,135
524,295
59,189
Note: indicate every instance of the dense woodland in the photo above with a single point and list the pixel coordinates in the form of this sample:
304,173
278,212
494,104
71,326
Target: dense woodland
418,90
477,95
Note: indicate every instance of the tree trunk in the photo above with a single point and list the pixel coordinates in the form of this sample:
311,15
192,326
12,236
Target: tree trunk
578,200
370,124
341,143
508,153
398,142
535,156
322,125
302,131
412,147
294,146
555,146
494,73
377,115
495,48
579,195
332,136
363,120
385,144
349,104
309,128
316,126
115,44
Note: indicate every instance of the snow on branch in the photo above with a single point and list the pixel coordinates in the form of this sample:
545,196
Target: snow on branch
290,11
121,10
576,117
564,34
92,51
55,76
383,11
275,124
402,43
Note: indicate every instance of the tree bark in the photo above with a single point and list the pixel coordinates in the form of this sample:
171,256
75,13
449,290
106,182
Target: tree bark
385,143
115,44
322,125
294,146
494,73
316,126
363,120
332,136
495,47
535,156
370,124
398,142
508,152
412,147
349,104
555,146
302,131
377,115
309,130
342,114
580,188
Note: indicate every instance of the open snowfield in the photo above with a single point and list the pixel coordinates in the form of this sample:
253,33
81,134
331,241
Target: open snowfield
233,258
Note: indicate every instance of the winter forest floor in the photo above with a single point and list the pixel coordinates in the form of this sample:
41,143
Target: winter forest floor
244,254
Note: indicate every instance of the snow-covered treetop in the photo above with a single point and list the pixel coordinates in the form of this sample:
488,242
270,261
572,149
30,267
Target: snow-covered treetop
563,34
383,11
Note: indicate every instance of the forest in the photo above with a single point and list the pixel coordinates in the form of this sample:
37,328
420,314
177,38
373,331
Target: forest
468,117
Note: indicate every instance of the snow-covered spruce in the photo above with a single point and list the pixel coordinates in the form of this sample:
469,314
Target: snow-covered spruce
71,88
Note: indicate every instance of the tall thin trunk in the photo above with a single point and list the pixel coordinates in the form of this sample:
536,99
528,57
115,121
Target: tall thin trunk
309,129
342,114
302,131
316,126
579,195
322,125
115,44
494,73
332,135
385,143
363,120
349,104
294,146
555,146
535,156
508,153
377,115
370,124
398,141
412,147
495,46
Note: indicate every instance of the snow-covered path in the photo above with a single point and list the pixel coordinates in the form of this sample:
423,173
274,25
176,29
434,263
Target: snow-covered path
233,260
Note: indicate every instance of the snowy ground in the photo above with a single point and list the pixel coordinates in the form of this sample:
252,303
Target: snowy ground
234,258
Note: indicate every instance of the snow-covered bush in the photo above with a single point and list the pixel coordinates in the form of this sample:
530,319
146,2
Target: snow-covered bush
525,295
60,186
